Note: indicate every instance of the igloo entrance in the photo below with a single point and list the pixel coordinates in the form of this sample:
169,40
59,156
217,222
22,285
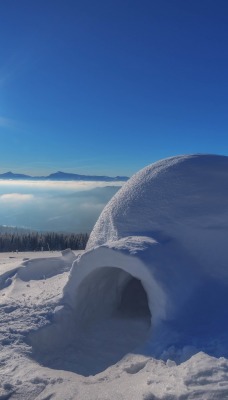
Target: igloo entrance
112,312
110,318
110,292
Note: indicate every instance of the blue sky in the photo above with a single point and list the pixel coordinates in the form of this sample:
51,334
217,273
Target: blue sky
109,86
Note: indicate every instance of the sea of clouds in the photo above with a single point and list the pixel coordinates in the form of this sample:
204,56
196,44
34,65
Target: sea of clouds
54,206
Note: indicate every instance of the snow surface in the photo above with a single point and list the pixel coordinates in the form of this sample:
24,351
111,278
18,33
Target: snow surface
142,313
29,305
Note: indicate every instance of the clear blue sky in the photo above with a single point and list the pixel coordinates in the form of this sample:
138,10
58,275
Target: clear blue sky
109,86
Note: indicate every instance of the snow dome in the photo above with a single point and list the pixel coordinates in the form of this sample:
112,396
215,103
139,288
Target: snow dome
154,274
182,198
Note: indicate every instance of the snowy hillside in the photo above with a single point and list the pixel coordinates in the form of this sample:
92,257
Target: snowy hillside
142,313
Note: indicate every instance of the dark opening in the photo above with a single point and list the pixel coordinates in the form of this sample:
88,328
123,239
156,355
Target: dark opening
134,302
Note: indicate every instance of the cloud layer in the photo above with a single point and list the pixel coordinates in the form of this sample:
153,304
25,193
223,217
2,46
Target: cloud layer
55,185
16,197
53,206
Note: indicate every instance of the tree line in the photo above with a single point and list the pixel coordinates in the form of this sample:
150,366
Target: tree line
47,241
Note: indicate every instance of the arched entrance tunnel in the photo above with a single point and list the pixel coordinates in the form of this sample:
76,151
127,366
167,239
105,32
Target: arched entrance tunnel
110,318
109,292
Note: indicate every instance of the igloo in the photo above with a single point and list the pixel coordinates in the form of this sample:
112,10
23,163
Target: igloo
157,259
167,227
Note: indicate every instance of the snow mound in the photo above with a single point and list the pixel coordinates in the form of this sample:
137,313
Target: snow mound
38,268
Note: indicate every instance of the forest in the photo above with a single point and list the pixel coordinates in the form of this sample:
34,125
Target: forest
45,241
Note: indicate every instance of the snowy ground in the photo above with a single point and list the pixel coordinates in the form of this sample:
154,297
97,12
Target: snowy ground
99,363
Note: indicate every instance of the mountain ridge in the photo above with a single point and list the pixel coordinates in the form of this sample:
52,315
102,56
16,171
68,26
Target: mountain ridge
62,176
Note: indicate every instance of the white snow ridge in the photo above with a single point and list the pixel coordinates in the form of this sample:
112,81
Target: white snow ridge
143,312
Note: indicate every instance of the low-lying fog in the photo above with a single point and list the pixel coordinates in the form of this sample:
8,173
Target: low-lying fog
55,206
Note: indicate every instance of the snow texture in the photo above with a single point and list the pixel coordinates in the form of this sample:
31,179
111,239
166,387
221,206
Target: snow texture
142,313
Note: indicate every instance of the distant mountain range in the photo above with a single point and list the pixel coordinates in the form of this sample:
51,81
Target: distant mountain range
62,176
